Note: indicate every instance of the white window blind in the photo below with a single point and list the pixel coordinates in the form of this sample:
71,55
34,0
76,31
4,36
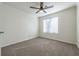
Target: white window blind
50,25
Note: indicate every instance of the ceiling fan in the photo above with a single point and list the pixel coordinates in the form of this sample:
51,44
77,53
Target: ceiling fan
42,7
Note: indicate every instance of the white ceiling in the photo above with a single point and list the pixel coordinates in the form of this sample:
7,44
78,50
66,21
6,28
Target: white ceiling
25,6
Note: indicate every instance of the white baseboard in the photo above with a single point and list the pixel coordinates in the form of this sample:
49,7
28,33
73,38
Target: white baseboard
59,40
18,41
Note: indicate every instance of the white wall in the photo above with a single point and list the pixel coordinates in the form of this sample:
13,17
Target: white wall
17,25
78,25
66,26
0,51
1,29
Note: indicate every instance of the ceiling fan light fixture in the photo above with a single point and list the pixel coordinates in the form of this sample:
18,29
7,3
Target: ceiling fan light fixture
42,8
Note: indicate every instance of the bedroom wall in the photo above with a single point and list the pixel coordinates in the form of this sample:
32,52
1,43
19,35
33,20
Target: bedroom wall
66,26
17,25
78,25
1,29
0,51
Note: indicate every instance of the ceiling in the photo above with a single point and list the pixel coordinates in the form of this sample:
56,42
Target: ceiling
25,6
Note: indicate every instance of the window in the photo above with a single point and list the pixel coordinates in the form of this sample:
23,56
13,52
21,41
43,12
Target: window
50,25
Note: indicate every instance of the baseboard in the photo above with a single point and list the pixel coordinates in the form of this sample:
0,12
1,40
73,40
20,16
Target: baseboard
19,41
58,40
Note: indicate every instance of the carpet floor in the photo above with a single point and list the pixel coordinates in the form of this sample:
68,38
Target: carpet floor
40,47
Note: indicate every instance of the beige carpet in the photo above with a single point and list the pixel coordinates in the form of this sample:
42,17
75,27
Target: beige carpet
40,47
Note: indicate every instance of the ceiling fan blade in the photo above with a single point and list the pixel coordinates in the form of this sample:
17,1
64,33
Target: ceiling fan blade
38,11
34,7
46,7
44,11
